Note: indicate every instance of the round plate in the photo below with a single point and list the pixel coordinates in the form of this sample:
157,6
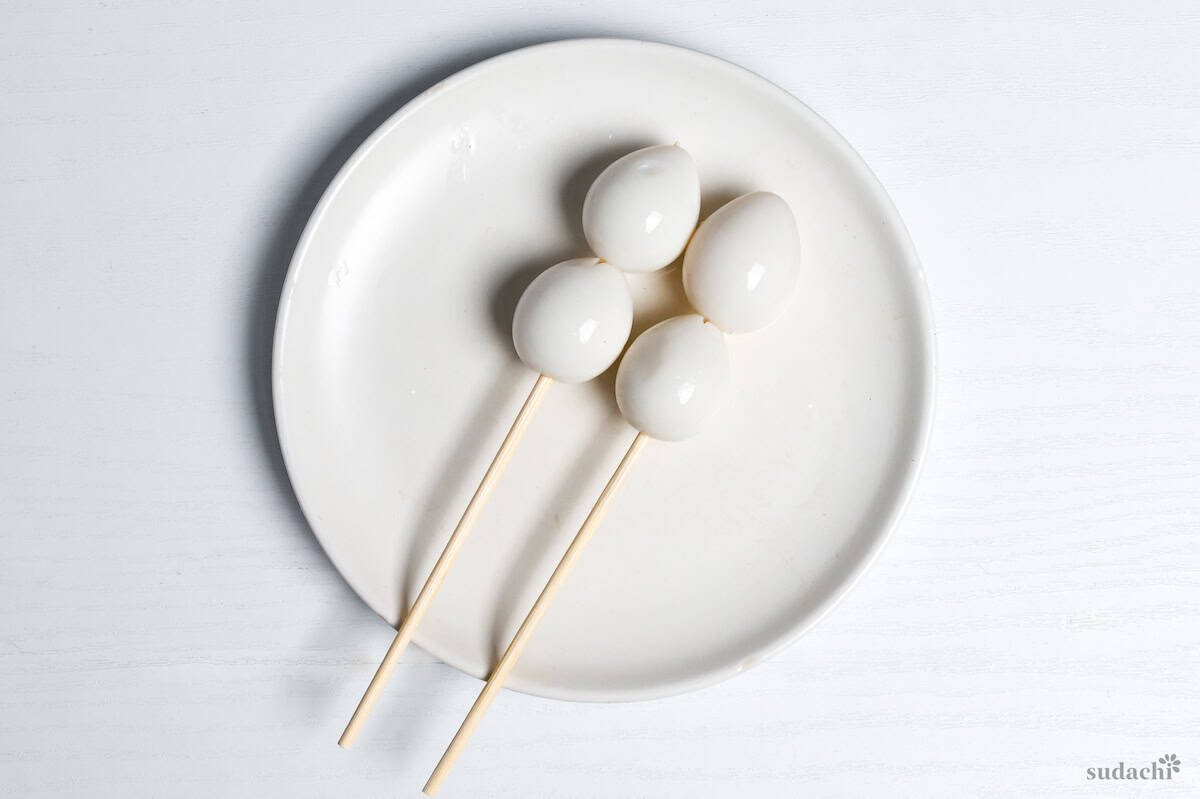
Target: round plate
395,377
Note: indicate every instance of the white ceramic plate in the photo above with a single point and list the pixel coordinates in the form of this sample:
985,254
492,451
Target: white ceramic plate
395,377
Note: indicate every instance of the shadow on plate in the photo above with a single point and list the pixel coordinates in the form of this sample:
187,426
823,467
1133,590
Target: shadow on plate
275,254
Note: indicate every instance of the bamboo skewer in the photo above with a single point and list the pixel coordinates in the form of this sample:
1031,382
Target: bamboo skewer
436,577
525,632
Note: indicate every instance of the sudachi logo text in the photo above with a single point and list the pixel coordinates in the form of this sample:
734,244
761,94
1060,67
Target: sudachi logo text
1161,769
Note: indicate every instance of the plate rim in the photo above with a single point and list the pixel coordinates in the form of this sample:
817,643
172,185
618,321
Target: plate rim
911,266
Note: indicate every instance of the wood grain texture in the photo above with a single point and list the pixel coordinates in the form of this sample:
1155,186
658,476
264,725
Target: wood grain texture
171,626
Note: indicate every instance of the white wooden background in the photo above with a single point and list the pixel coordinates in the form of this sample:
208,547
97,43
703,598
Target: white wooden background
170,626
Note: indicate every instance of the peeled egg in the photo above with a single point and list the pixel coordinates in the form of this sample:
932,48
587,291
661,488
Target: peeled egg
741,267
673,378
641,210
573,320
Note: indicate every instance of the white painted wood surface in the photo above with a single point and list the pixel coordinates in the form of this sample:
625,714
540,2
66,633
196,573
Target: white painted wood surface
171,627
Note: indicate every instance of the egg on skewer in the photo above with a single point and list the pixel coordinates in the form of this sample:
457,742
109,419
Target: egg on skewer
570,324
669,384
672,379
